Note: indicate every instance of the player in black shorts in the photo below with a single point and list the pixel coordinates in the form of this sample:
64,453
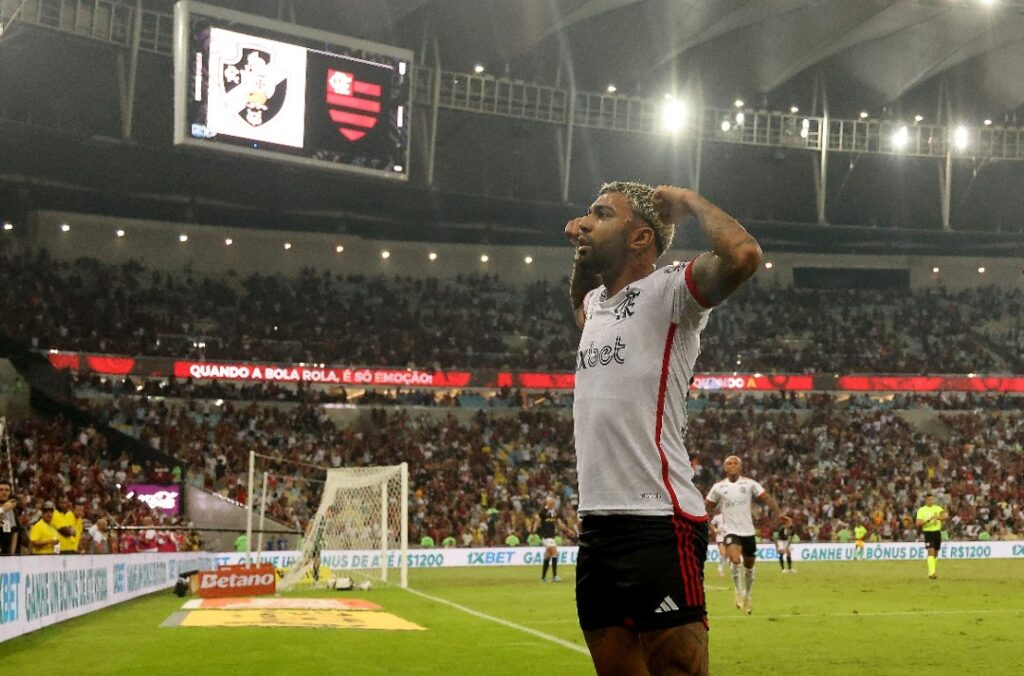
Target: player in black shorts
546,524
644,573
644,539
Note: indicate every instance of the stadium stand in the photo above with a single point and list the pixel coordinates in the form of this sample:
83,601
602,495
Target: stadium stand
477,321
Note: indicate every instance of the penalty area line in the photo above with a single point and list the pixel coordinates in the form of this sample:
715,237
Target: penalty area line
506,623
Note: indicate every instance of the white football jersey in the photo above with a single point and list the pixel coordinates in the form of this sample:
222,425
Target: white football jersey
735,500
633,371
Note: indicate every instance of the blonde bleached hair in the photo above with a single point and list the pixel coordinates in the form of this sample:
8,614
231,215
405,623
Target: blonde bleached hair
639,196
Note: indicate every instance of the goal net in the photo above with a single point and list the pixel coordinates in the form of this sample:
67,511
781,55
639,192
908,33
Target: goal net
360,530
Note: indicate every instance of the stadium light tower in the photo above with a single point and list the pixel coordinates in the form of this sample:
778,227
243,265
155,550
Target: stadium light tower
673,116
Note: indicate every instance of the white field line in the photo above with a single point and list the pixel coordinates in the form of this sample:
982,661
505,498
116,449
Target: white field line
506,623
851,614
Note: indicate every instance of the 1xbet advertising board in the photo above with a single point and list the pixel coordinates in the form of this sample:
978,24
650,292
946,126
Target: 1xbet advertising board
249,85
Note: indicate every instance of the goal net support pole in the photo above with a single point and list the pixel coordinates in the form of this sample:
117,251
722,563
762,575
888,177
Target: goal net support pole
248,509
364,510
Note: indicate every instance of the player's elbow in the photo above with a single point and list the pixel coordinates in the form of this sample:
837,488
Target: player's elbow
747,257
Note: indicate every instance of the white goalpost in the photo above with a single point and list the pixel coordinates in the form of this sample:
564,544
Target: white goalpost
360,529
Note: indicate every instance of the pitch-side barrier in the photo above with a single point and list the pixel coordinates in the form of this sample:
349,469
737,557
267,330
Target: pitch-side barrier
37,591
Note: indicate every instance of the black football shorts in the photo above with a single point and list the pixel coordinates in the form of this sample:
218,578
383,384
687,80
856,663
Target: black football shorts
643,573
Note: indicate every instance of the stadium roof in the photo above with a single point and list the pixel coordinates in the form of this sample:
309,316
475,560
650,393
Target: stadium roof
872,53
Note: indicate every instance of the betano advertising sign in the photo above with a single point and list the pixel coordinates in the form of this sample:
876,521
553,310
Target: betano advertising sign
237,580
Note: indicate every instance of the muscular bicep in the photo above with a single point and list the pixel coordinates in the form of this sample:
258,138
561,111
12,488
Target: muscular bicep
580,314
716,278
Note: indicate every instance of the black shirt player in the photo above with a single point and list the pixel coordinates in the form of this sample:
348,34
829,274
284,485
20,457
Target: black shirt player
545,524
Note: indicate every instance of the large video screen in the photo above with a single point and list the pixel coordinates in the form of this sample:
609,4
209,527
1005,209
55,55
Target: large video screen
251,85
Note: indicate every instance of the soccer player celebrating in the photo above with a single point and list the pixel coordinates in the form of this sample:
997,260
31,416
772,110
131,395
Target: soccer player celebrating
782,536
545,524
929,519
644,536
734,496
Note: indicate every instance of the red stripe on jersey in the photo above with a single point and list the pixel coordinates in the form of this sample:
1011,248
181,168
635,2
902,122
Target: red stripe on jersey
692,286
666,358
688,566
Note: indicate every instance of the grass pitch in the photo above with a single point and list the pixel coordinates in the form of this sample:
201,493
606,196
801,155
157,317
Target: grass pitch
828,618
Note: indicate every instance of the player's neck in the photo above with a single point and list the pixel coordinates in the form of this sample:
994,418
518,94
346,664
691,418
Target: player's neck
733,479
635,269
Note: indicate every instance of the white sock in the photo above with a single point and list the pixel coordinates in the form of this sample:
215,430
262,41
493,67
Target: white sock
735,571
749,578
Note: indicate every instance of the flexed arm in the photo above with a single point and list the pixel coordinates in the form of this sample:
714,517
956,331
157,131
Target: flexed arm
735,254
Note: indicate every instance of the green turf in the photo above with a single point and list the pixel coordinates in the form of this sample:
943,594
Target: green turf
829,618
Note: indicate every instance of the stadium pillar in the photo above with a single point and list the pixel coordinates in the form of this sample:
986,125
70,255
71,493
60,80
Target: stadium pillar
946,187
821,184
128,90
821,177
435,105
570,124
698,141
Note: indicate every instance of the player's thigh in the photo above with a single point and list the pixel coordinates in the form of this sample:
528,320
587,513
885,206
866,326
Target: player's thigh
616,651
733,552
677,650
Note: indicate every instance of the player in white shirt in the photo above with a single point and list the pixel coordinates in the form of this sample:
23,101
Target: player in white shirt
644,535
734,497
718,533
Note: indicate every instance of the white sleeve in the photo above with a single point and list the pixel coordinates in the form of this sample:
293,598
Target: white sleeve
688,306
712,495
758,489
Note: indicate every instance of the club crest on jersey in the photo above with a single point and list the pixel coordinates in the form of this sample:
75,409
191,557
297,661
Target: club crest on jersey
626,306
254,87
354,105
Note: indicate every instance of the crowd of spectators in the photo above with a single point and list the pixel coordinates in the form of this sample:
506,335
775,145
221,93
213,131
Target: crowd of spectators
64,478
481,480
480,322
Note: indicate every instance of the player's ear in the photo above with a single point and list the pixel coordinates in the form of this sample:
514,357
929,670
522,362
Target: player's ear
641,238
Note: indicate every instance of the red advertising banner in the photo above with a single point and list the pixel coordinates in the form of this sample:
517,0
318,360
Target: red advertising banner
315,374
111,366
752,382
713,382
413,378
240,580
65,360
930,384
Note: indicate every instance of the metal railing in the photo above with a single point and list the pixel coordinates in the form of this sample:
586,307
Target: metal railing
111,22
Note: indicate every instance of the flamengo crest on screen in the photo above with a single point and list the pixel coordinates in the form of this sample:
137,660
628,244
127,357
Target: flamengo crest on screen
353,105
254,87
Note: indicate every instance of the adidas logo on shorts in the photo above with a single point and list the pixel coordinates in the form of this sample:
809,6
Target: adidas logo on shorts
667,606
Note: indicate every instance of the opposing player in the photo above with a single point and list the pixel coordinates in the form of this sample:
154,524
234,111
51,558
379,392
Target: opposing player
929,519
644,537
734,496
717,528
782,537
546,523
